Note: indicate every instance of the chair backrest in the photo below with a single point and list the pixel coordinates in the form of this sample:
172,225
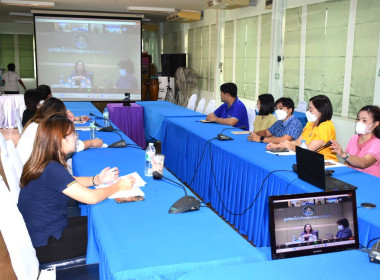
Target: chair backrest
3,143
11,174
18,122
16,237
192,101
301,107
15,157
210,107
251,118
201,105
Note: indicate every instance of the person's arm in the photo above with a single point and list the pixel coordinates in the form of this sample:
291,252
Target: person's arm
107,175
355,161
22,84
81,118
229,121
93,143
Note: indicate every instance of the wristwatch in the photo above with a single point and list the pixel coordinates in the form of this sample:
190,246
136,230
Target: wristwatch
262,139
346,157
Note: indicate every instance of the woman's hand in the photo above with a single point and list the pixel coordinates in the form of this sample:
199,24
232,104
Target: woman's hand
84,118
70,115
253,137
96,143
108,175
336,148
126,183
272,146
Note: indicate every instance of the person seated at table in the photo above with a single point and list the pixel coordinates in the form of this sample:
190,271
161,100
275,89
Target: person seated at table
45,92
51,106
363,150
80,77
264,110
232,112
46,187
32,99
318,131
287,126
343,229
308,232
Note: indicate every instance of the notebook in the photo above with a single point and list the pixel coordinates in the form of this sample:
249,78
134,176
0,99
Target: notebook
311,169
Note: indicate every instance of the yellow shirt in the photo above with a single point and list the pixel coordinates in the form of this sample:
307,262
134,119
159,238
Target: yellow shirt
263,122
325,132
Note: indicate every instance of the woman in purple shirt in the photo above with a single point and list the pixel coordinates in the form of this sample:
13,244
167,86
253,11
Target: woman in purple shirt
363,150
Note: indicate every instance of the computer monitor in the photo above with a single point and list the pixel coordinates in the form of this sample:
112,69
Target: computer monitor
324,212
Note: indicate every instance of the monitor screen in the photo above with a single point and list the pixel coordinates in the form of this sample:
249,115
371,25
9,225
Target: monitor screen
89,58
313,223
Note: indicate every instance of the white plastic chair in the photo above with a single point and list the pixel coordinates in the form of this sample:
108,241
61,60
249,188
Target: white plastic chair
301,107
18,122
210,107
192,101
15,158
3,143
201,105
16,237
251,118
11,174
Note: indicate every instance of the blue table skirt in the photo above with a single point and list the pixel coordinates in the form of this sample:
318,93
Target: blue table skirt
155,112
240,167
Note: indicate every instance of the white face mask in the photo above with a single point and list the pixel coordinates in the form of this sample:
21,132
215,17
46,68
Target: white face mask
281,114
340,227
123,72
362,128
311,117
257,109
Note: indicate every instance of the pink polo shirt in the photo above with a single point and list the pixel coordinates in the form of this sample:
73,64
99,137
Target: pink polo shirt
372,146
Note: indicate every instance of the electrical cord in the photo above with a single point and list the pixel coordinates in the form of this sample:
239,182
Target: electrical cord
373,239
286,188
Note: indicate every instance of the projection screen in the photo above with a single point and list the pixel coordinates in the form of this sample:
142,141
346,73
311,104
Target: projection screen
88,58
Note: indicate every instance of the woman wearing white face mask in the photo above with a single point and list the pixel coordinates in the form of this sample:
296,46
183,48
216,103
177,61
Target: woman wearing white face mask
343,229
319,129
127,80
264,110
363,149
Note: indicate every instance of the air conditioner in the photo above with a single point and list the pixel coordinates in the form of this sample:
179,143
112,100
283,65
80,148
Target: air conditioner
230,4
185,16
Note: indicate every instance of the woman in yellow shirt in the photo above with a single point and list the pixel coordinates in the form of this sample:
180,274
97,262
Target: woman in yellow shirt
264,110
319,129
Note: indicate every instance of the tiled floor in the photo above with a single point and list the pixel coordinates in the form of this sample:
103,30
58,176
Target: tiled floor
6,270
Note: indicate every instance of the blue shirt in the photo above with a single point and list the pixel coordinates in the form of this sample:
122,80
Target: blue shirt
44,206
236,110
291,127
344,233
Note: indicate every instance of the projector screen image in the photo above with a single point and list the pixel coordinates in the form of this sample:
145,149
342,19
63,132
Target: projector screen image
89,58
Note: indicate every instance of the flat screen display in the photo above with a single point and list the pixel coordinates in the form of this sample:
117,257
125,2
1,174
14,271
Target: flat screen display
313,223
89,58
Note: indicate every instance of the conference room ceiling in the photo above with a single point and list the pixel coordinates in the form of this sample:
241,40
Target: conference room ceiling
109,6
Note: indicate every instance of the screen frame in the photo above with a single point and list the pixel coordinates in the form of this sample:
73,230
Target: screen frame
106,17
320,250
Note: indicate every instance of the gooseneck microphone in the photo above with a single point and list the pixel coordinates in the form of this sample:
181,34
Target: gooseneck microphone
118,144
184,204
222,137
328,144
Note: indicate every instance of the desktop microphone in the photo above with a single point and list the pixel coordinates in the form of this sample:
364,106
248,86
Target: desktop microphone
184,204
118,144
328,144
222,137
97,117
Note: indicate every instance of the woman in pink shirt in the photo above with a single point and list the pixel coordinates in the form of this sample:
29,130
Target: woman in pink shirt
363,149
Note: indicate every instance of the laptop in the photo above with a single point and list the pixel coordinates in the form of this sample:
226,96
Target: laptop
289,214
311,169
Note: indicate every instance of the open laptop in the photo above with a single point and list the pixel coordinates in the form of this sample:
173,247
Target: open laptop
288,215
311,169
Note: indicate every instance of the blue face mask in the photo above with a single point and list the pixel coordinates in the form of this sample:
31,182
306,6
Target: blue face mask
123,72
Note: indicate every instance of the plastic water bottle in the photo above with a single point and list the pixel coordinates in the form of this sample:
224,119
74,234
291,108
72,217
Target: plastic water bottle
106,117
150,152
92,130
62,80
294,238
303,144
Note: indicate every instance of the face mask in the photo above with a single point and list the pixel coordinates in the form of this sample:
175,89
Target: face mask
340,227
281,114
310,117
362,128
257,110
123,72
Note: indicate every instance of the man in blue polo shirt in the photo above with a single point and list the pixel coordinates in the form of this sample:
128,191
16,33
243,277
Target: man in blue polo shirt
233,111
287,126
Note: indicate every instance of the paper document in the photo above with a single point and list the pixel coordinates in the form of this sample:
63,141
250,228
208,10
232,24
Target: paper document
239,132
288,153
135,191
206,121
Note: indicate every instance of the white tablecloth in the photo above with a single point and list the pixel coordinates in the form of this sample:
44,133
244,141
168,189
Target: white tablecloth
9,105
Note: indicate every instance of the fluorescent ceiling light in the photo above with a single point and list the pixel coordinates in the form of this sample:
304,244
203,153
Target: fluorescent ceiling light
20,14
28,3
155,10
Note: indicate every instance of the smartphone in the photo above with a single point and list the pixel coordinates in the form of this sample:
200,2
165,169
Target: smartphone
129,199
279,150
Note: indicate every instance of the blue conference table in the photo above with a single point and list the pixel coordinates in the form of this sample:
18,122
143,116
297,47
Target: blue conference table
155,112
141,240
240,167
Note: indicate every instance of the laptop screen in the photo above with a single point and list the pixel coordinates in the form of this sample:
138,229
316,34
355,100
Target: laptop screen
313,223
